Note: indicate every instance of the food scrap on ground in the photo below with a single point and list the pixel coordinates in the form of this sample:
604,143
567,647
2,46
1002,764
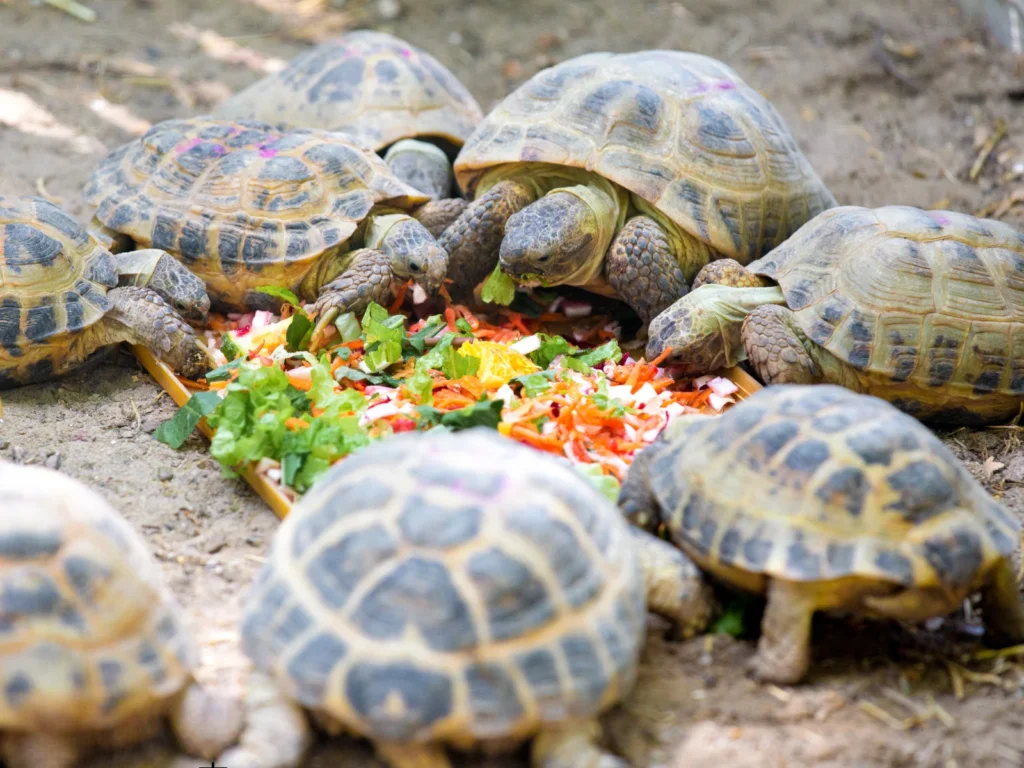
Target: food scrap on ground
291,398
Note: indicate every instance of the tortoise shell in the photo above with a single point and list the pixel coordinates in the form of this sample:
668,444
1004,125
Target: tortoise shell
370,85
450,588
810,483
679,130
242,205
926,300
54,279
89,636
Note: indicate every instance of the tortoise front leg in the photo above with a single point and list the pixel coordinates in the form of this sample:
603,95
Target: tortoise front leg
572,746
426,756
676,590
205,724
473,241
140,316
277,733
643,270
367,279
778,348
728,272
158,270
438,215
784,650
1002,608
39,750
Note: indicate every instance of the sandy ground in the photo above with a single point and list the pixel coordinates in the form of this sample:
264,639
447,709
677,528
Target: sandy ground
891,101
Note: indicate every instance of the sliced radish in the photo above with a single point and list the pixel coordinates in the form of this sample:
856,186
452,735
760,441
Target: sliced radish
717,402
418,294
723,387
376,412
556,304
573,309
672,410
644,395
702,382
505,394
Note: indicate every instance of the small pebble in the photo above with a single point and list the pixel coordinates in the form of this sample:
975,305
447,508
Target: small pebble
389,10
18,454
151,425
53,460
253,541
4,445
164,475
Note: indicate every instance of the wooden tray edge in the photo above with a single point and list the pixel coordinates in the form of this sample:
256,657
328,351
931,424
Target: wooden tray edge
278,502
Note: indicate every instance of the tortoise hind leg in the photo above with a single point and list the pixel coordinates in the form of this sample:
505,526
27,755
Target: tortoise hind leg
474,239
277,733
643,270
572,746
728,272
205,724
1002,607
784,650
39,750
777,348
426,756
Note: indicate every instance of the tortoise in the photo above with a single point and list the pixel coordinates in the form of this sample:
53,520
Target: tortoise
63,296
827,500
246,206
924,309
458,590
625,174
394,97
96,652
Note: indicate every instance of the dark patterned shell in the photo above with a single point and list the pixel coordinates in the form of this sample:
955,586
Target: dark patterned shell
370,85
679,130
89,635
450,588
53,284
241,204
928,302
812,483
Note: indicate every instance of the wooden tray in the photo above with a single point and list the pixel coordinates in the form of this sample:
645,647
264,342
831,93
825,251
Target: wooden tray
277,501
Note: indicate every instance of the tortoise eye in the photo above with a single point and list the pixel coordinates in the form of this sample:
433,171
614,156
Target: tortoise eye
544,259
414,266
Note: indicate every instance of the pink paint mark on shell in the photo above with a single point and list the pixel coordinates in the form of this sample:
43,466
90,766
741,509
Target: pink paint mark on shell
942,221
219,149
405,53
185,146
268,152
726,85
700,88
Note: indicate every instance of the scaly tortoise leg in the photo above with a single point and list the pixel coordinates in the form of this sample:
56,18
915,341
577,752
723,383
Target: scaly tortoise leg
161,272
367,279
398,756
777,347
643,270
438,215
277,733
676,590
728,272
1002,608
784,650
473,241
573,746
39,750
140,316
205,724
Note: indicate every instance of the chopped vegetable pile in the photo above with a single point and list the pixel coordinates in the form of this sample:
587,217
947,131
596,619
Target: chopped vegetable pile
291,398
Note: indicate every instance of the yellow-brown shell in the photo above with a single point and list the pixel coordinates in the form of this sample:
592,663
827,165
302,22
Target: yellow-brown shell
369,85
89,635
816,483
54,279
456,588
679,130
242,205
928,304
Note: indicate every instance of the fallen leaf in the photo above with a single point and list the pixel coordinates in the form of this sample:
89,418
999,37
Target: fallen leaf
992,466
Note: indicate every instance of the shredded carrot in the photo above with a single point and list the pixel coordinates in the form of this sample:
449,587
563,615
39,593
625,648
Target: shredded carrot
443,291
193,384
219,384
661,358
449,316
397,304
299,381
634,376
295,424
537,440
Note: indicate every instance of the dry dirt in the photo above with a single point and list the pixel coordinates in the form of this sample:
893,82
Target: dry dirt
891,101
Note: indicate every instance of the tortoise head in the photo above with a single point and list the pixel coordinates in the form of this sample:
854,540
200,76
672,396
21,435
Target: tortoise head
551,239
703,328
415,254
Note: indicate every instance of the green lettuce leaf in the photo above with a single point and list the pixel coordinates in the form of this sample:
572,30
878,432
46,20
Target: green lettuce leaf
280,293
499,288
383,336
300,331
550,348
176,430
